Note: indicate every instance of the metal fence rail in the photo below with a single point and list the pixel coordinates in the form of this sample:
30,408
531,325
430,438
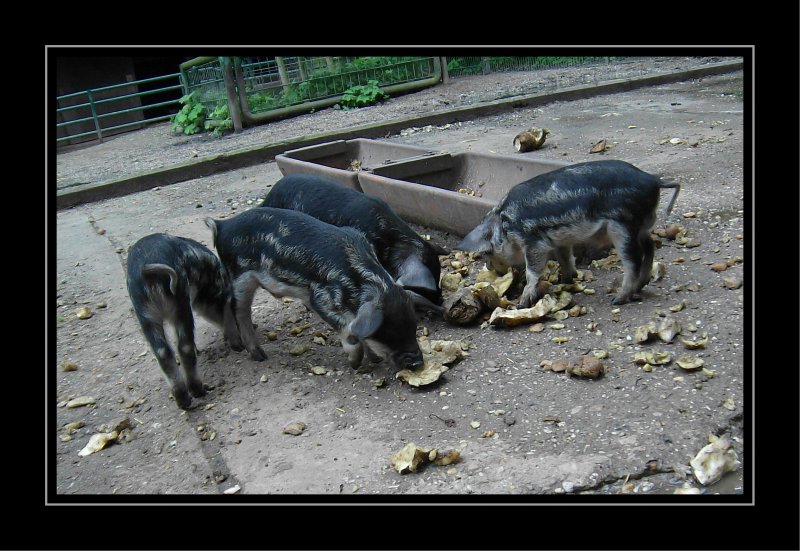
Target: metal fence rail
280,82
324,85
259,89
102,105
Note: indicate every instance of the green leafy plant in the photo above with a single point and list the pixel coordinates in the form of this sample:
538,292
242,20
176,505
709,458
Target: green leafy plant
220,120
292,95
191,118
346,76
261,102
363,95
460,66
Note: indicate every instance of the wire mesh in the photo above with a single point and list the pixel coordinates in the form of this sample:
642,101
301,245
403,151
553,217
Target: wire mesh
207,82
463,66
104,111
280,82
554,73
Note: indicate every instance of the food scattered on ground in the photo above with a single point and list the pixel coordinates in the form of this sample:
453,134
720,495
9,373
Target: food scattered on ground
695,341
83,313
652,358
531,139
689,363
295,429
411,457
97,442
714,460
588,366
430,373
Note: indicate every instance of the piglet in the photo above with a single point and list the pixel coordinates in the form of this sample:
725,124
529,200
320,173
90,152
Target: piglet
412,261
596,202
169,277
333,271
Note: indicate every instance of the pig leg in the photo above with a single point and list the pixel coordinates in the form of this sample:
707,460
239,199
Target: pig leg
184,328
231,329
535,260
325,303
649,249
629,248
372,356
244,289
567,262
154,333
354,349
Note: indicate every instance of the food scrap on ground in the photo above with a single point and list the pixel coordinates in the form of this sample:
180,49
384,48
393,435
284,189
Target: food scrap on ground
411,457
714,460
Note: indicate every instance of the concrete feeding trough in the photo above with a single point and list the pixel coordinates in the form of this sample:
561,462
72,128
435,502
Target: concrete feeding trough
437,189
343,160
450,192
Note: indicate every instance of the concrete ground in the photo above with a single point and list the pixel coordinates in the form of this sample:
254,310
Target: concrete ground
539,434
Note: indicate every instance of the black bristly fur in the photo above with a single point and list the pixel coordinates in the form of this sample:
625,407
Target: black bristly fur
595,202
394,241
169,278
334,271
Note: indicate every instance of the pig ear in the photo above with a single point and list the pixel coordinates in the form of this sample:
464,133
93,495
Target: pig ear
413,273
368,319
423,303
479,239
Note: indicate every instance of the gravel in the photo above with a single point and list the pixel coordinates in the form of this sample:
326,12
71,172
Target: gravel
155,147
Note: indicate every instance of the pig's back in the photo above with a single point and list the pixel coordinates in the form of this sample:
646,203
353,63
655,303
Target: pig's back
335,204
593,190
296,246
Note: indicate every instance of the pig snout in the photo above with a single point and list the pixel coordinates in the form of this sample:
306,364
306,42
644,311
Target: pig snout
410,359
332,270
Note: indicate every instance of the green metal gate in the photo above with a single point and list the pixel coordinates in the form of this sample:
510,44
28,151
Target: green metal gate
263,89
110,109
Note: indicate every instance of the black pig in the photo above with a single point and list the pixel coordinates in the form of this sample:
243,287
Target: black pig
168,278
334,272
412,261
594,202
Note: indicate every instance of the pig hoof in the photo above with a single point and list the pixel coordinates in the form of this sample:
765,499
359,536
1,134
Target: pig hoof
372,356
197,390
258,355
182,398
237,347
619,300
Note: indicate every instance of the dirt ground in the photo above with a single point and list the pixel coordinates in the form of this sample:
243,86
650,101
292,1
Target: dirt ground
520,430
154,147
